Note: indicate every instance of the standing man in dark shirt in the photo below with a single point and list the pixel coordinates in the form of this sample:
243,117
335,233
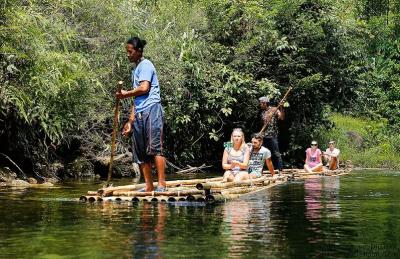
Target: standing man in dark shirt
271,115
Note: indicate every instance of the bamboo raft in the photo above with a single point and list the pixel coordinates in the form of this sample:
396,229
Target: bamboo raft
208,190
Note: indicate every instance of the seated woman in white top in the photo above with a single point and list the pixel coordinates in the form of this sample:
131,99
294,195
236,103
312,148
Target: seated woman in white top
331,156
236,158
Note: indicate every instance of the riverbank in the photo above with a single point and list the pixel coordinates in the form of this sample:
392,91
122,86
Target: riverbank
367,143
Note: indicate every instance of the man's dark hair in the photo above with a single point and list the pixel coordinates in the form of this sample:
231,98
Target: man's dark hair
137,43
257,136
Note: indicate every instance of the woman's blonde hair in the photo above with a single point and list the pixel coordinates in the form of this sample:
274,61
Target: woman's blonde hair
239,130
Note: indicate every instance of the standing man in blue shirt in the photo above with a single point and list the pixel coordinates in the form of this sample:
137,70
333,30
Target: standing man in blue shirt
147,116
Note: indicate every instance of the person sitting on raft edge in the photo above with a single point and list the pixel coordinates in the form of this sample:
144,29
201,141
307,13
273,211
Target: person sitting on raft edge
235,159
331,156
313,158
259,155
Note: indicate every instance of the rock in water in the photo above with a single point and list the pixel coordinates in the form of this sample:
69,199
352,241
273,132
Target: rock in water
32,180
19,183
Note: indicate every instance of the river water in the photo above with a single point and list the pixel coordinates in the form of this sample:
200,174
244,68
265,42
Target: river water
352,216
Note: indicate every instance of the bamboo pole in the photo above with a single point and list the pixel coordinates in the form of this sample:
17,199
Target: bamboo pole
266,124
114,133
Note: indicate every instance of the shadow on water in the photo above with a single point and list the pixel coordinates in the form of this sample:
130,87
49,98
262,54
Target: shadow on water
353,216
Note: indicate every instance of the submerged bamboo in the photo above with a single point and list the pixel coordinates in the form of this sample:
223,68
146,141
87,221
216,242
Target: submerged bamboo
198,197
90,198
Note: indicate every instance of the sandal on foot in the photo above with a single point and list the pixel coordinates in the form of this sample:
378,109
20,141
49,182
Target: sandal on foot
160,189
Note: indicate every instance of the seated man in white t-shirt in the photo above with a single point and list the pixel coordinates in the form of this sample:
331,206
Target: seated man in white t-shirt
259,156
331,156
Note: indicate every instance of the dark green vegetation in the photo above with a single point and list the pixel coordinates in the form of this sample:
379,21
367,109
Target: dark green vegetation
60,61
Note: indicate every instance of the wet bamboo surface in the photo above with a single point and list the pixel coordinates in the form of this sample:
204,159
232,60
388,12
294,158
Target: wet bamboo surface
208,190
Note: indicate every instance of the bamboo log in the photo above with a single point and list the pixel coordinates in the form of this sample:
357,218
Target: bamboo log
213,185
90,198
167,193
112,198
162,199
220,197
92,193
171,199
190,198
198,197
109,190
174,198
238,190
192,181
201,198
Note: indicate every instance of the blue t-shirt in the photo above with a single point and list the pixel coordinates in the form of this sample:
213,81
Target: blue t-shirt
146,71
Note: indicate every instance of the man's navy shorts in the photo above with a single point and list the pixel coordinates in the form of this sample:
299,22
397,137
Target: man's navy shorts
148,134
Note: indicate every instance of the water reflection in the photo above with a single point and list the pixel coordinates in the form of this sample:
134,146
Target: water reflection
248,226
149,234
322,197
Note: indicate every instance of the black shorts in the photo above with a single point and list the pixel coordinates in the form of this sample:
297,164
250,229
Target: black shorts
148,134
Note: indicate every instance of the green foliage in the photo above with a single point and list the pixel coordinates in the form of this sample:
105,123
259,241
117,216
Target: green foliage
61,59
367,143
378,95
56,67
